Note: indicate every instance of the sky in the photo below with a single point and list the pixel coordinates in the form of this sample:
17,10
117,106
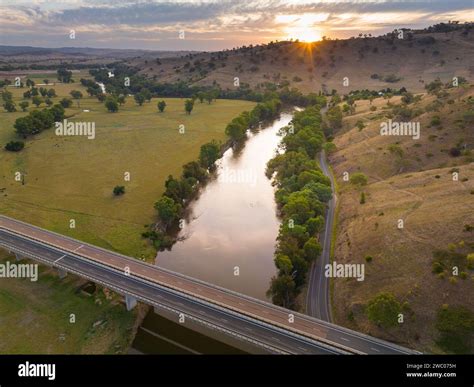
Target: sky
209,25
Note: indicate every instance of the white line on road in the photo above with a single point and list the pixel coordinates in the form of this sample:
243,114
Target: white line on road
60,258
376,350
343,338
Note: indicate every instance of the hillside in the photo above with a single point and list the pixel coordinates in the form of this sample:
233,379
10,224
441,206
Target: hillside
26,57
367,62
411,180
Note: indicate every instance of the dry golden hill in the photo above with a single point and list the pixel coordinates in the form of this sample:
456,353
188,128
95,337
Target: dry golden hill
414,183
367,62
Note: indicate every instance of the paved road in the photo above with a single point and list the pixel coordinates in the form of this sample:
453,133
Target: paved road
318,302
232,313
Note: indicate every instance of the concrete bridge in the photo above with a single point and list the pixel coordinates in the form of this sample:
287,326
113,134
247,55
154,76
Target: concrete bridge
258,323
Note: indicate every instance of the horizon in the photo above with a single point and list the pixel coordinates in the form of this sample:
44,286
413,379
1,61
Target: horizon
211,25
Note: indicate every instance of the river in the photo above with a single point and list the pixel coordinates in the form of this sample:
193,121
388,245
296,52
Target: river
229,238
229,235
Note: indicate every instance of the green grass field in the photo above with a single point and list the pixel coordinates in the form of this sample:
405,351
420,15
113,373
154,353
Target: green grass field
35,317
73,177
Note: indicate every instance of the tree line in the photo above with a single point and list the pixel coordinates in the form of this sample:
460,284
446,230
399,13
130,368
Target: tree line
178,191
301,196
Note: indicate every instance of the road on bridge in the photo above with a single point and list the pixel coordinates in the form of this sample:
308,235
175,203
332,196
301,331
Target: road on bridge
280,329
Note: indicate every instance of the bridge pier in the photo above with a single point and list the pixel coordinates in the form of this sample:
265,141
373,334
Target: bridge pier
62,273
18,257
131,302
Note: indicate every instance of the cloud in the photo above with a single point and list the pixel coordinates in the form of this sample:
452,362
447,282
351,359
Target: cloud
156,23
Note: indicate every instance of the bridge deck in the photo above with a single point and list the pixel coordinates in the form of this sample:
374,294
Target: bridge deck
132,270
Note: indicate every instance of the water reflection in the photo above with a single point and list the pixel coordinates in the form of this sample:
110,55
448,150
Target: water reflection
233,225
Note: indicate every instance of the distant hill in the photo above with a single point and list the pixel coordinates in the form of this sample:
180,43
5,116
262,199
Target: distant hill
369,62
26,56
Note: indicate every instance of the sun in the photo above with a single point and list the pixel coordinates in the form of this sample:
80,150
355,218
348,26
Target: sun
307,36
302,27
304,34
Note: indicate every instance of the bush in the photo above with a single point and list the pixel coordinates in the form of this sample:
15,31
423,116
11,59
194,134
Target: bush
391,78
358,178
383,310
66,102
119,190
15,146
455,152
456,327
111,104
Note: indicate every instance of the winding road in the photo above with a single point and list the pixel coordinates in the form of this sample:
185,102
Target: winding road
318,299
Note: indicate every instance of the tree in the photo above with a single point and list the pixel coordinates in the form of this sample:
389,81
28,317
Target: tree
111,104
194,170
51,93
237,128
161,106
37,101
383,310
322,191
146,94
119,190
283,291
168,210
9,106
139,98
23,126
188,106
121,99
284,264
58,112
334,116
77,95
362,198
315,225
64,75
298,208
48,102
312,249
24,105
15,146
66,102
456,327
358,178
208,154
7,96
200,96
30,83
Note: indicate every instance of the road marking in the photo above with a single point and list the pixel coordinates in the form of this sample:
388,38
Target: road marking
376,350
60,258
78,248
343,338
